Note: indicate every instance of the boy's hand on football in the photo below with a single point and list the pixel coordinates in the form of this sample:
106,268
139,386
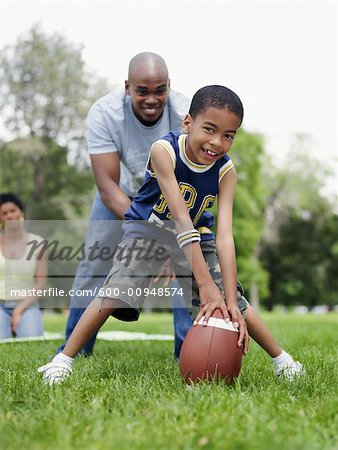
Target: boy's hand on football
239,322
211,298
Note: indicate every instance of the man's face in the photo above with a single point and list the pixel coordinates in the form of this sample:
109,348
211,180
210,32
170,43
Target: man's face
149,94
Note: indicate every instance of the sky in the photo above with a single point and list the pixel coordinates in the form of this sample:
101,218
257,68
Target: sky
279,56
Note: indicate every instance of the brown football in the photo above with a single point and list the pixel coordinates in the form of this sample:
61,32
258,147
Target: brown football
211,352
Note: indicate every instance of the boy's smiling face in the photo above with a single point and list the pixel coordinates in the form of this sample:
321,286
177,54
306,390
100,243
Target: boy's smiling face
210,134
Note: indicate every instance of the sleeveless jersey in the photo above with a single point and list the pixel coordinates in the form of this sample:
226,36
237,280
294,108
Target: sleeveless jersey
198,184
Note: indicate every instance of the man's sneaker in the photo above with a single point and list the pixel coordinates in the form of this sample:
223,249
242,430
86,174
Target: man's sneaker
57,370
290,371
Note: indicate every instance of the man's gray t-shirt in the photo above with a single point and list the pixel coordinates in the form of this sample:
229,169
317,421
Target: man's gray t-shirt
113,127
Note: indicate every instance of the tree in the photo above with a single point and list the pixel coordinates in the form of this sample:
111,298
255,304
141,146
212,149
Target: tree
248,213
299,243
303,261
45,94
38,171
46,89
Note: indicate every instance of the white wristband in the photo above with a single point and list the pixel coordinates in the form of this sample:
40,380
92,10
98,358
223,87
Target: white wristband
188,237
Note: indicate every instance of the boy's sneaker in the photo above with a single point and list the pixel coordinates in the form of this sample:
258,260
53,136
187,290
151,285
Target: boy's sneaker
290,371
57,370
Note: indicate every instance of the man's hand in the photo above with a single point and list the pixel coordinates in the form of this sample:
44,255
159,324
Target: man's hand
239,322
211,298
166,272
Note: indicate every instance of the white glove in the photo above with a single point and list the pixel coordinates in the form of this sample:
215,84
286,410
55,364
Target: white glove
290,371
57,370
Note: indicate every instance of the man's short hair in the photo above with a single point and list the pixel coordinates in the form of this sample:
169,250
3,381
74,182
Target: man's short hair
215,96
10,197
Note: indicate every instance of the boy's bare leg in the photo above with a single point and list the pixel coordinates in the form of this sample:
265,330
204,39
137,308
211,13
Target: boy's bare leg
284,364
260,333
90,322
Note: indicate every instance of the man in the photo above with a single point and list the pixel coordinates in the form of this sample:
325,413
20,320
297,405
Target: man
121,129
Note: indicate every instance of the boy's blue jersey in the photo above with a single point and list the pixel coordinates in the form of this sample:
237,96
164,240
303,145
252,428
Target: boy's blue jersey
198,184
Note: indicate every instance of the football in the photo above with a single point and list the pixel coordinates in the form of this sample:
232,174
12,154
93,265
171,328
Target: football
211,352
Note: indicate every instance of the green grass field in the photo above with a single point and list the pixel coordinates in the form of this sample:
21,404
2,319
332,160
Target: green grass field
129,395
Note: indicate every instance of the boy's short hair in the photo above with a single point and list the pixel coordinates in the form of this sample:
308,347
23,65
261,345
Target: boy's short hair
10,197
215,96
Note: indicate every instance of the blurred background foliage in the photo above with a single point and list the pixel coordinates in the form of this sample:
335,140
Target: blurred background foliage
285,225
46,91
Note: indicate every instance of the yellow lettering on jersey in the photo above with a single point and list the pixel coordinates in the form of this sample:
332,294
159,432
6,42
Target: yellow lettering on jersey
207,203
188,193
160,205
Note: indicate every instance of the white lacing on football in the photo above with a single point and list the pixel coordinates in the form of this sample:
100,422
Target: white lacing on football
218,323
57,370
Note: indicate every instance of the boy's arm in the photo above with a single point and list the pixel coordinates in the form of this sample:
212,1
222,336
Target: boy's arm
210,296
226,252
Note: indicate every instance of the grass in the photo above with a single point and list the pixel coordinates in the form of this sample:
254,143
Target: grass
129,395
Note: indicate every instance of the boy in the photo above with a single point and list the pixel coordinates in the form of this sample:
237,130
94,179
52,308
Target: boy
185,173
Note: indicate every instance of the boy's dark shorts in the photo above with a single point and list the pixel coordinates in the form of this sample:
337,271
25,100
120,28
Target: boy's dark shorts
138,260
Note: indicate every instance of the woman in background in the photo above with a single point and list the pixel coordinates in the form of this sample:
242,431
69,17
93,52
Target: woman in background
20,314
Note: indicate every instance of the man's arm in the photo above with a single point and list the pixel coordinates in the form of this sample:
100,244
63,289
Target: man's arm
210,296
106,169
105,160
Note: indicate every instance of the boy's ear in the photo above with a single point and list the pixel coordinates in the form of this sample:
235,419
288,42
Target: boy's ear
127,87
186,123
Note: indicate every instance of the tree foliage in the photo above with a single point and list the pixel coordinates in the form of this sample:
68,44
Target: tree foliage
303,262
38,171
300,237
46,89
46,92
